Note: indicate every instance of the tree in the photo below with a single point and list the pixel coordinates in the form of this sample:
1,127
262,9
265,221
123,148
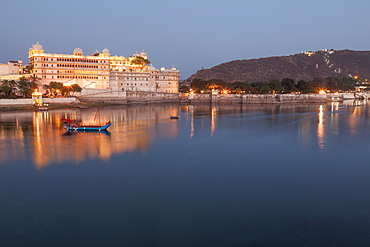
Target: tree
26,87
240,86
76,88
184,89
140,61
275,84
65,91
305,87
35,79
28,69
257,85
265,89
216,84
47,89
7,87
288,85
318,84
198,84
55,87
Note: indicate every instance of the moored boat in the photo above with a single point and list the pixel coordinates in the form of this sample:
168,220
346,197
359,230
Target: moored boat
75,132
41,107
72,124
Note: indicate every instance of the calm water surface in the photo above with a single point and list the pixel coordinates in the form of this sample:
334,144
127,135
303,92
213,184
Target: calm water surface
221,175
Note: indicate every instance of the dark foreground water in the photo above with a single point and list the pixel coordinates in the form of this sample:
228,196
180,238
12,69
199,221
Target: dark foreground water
233,175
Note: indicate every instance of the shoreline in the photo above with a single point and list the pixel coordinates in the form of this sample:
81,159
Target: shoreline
82,105
7,105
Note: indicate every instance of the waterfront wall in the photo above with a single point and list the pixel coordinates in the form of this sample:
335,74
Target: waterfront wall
345,96
257,98
132,97
15,102
126,97
151,97
103,96
29,102
69,100
283,98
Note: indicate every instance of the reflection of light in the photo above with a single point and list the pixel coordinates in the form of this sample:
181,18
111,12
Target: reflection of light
213,119
49,144
191,109
334,106
352,119
320,128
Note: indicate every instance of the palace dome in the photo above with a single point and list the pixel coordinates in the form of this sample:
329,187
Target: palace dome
106,51
77,50
36,46
143,53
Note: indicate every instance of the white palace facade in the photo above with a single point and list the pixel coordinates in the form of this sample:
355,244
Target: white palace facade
101,71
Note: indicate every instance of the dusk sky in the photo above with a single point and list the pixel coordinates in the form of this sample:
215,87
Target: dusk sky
187,34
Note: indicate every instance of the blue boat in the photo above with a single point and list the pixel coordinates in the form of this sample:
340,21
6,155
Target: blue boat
75,132
72,124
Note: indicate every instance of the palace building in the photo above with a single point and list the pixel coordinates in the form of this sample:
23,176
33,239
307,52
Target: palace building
101,71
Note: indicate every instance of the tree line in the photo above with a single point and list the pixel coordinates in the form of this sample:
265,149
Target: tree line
286,85
11,89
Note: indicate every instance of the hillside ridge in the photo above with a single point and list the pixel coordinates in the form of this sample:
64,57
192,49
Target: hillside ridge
302,66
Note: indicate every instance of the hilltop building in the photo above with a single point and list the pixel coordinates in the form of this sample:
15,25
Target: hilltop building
101,71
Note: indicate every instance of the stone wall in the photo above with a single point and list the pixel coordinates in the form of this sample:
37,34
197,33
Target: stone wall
29,102
151,97
199,98
93,92
15,102
283,98
69,100
256,98
103,96
127,97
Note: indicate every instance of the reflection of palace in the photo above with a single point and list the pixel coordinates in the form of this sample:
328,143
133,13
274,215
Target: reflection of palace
40,135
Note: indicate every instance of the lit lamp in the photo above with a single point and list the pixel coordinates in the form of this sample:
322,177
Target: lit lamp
37,98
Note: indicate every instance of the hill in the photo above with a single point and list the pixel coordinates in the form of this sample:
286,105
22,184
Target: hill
303,66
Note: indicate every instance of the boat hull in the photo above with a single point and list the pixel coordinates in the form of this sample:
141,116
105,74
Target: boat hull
97,128
87,127
74,132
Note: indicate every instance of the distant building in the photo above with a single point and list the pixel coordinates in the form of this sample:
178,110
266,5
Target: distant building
101,71
13,70
309,53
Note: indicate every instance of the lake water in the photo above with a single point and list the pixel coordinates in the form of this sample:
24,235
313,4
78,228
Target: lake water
221,175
